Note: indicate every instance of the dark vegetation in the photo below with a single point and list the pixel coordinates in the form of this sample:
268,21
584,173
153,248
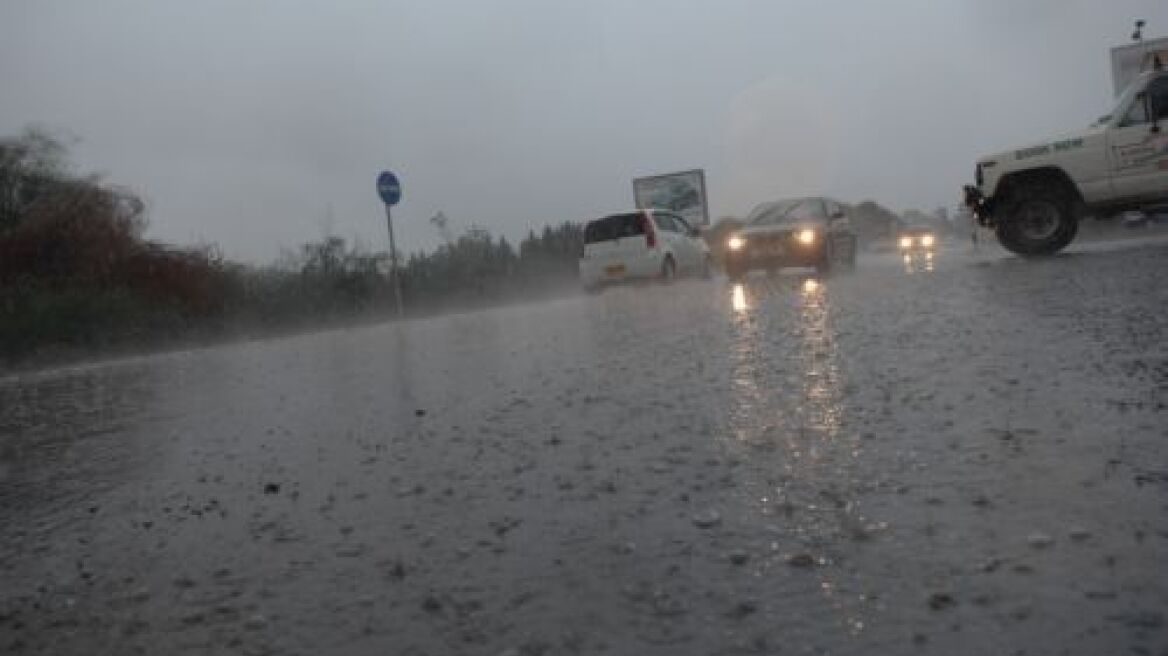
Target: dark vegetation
77,275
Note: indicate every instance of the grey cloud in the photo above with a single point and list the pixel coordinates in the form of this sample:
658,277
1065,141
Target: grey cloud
243,123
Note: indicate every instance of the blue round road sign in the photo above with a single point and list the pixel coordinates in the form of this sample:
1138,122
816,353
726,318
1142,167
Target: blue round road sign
388,188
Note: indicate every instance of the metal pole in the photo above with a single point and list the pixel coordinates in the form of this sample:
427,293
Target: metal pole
393,272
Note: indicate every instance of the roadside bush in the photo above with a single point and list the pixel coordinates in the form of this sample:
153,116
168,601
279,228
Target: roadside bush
34,315
74,269
75,233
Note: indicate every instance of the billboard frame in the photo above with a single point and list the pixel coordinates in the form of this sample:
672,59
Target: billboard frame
650,180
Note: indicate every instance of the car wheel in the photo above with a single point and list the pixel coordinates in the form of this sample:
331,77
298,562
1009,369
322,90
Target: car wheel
668,269
1038,219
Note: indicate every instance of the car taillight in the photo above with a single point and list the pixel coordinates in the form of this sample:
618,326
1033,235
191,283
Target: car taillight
650,230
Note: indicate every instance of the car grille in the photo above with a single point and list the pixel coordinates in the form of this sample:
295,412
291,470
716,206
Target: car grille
770,238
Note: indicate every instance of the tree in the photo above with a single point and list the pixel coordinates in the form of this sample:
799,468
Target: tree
31,166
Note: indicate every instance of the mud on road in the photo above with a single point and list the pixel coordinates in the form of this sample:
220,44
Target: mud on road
968,457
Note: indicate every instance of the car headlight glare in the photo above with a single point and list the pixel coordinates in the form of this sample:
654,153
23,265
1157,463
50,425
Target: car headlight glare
906,242
806,237
735,243
927,241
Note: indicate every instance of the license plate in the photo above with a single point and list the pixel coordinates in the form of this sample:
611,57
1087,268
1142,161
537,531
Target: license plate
614,270
772,250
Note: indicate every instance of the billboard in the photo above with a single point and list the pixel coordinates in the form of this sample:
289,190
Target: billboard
683,192
1129,61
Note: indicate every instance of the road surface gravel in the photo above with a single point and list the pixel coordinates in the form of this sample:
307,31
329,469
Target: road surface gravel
963,456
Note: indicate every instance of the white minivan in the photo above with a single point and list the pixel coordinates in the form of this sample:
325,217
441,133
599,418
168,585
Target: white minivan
641,244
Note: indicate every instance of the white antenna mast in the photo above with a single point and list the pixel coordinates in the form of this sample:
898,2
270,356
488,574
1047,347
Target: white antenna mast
1138,36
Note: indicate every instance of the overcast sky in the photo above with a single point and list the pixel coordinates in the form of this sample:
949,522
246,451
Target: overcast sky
250,123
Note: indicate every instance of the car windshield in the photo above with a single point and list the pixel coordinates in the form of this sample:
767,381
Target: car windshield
1121,103
800,210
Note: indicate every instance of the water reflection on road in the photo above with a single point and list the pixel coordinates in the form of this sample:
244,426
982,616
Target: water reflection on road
821,377
918,262
782,341
788,419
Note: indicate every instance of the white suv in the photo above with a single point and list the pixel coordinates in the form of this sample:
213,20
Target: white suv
641,244
1034,196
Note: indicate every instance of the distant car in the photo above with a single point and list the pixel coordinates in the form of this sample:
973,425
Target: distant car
800,232
917,239
641,244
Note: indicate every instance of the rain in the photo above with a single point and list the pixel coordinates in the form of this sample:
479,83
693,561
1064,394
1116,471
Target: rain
748,328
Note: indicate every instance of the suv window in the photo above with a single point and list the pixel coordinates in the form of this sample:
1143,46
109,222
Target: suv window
1158,97
614,227
1137,115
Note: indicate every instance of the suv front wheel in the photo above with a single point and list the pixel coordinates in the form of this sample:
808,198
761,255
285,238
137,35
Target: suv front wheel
1039,218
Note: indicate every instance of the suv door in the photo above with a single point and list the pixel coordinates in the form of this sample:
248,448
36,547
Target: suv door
1137,151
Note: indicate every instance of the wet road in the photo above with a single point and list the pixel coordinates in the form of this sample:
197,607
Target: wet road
968,456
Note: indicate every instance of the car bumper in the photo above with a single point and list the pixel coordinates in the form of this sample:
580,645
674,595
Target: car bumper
604,271
980,205
747,259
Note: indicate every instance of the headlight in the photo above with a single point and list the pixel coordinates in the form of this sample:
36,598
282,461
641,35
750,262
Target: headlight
806,237
906,242
735,243
927,241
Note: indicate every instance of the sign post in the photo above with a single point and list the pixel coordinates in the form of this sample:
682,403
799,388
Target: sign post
389,189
